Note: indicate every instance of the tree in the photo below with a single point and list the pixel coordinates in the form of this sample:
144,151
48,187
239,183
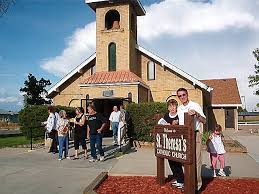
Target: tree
254,79
4,6
35,92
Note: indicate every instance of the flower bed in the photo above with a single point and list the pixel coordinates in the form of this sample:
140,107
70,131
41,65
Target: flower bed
143,185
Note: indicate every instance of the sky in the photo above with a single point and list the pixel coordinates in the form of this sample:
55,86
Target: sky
206,38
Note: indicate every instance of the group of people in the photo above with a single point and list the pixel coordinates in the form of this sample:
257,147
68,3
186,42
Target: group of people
85,126
175,116
92,125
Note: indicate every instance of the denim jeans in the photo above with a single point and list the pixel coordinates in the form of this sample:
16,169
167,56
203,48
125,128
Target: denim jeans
115,126
63,143
96,139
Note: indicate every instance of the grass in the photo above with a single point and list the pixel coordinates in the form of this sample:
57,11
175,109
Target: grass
14,141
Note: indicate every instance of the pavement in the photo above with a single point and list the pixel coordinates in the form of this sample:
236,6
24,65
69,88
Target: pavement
247,139
39,172
143,162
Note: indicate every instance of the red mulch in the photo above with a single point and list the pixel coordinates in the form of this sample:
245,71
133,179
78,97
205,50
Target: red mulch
144,185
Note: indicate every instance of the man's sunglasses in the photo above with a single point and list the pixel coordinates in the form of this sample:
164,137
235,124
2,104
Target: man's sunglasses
179,96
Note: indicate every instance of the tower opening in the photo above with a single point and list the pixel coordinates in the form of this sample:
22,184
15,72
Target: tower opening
112,20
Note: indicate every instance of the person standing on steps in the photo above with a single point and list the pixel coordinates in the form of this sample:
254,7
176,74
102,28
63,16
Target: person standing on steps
114,122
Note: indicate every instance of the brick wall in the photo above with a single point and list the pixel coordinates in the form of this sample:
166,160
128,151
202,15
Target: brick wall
166,82
124,39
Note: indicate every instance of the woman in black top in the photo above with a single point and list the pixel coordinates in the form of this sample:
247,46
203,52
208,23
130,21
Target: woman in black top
172,118
96,124
80,132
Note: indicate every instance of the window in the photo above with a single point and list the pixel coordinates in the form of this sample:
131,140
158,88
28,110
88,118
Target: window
151,70
112,20
112,56
93,69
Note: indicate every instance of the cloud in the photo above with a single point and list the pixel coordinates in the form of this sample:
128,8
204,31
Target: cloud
9,99
183,17
78,47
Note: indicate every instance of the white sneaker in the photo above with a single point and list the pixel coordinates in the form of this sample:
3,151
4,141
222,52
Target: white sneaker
179,185
92,160
221,173
101,158
214,174
59,159
174,183
68,157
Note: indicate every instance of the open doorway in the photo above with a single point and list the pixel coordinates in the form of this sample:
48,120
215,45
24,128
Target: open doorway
105,106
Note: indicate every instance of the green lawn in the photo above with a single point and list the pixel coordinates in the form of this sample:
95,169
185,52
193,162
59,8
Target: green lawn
14,141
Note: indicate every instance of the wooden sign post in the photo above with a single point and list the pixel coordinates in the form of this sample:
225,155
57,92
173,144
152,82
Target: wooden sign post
177,143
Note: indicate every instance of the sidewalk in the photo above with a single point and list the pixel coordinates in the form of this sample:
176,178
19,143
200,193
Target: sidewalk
40,172
250,141
143,162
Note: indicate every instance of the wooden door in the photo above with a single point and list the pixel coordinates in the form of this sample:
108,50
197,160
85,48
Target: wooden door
229,118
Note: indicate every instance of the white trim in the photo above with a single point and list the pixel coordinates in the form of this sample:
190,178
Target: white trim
114,84
174,68
226,105
70,74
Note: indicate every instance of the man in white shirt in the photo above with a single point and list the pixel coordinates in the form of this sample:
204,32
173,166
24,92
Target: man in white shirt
114,120
194,109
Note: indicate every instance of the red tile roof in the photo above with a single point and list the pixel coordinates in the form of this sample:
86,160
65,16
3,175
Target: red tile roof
112,77
225,91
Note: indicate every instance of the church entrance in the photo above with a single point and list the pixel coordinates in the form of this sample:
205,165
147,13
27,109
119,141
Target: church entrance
105,106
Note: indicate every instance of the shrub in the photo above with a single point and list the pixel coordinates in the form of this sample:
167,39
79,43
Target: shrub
144,118
31,117
205,136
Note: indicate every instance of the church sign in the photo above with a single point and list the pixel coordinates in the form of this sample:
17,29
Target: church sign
173,143
177,143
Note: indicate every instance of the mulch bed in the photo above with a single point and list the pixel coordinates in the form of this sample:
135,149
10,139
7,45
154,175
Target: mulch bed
144,185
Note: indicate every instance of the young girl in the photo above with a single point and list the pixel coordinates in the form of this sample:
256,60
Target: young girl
216,150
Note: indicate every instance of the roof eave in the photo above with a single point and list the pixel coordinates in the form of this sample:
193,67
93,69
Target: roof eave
114,84
175,69
226,105
77,69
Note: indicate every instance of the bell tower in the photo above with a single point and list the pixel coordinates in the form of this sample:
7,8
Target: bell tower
116,33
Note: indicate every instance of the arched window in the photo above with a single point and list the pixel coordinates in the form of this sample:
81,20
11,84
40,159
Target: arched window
112,20
112,56
151,70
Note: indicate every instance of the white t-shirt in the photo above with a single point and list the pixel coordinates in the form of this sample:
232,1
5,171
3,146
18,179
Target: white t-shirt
216,145
191,106
115,116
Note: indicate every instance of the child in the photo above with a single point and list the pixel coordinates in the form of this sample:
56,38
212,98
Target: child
171,118
216,150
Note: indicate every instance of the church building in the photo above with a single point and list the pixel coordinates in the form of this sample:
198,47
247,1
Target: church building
121,71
